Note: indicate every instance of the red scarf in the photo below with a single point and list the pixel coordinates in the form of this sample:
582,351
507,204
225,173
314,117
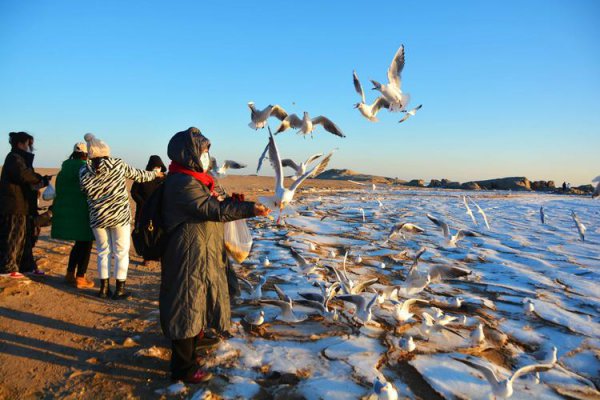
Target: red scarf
203,177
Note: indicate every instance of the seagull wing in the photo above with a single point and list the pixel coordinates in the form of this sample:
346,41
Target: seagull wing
312,158
361,286
358,86
316,297
233,164
462,233
528,369
396,68
296,256
480,211
286,162
328,125
378,104
278,112
487,372
312,304
262,158
429,320
440,224
291,121
405,308
249,286
317,170
283,305
281,294
355,299
412,228
406,116
357,183
275,162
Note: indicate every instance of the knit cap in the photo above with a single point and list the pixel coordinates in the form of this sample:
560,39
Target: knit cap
96,147
80,147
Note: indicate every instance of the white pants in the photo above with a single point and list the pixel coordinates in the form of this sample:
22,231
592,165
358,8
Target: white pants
113,242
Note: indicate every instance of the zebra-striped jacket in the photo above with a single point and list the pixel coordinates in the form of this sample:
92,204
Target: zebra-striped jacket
106,191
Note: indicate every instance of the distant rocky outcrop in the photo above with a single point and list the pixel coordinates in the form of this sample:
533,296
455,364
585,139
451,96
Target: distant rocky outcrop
543,186
349,175
512,183
416,183
444,184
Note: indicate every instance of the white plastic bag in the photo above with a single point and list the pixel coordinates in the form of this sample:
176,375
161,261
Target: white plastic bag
238,240
49,193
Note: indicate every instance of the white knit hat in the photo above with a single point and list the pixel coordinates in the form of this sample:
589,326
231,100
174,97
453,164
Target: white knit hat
80,147
96,147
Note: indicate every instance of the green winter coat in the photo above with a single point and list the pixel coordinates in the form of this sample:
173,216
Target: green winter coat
71,219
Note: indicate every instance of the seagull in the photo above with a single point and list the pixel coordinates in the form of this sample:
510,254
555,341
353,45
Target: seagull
504,389
266,262
580,227
364,219
300,169
408,344
369,111
402,227
363,309
306,125
410,113
283,196
281,294
259,117
528,306
392,92
477,336
542,215
437,323
480,211
402,309
384,390
255,319
287,311
415,284
450,239
306,268
469,212
255,291
597,190
220,171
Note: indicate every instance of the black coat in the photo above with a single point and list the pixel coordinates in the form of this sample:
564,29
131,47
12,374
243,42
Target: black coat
194,293
17,195
141,191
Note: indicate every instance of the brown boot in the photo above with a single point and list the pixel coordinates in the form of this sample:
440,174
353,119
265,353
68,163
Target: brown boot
82,283
70,278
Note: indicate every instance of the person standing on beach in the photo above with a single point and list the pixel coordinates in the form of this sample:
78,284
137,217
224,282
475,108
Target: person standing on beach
193,290
103,180
19,186
141,191
71,220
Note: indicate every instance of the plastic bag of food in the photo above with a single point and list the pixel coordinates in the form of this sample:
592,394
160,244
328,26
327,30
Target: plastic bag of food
238,240
49,193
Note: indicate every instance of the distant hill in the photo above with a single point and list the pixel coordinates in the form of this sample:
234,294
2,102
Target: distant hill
349,175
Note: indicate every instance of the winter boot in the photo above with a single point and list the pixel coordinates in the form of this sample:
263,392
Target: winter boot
104,289
70,277
120,292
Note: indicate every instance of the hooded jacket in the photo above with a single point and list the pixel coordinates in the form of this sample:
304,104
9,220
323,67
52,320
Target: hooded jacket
17,195
193,292
141,191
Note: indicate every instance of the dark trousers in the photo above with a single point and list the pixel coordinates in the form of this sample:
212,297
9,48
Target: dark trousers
80,257
183,358
16,244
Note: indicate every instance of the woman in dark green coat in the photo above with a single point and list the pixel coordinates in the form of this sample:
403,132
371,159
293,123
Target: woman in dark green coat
194,295
71,220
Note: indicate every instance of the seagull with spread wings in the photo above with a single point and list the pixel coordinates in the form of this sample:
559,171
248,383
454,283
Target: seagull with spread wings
299,168
259,117
410,113
450,239
392,92
306,125
369,111
221,170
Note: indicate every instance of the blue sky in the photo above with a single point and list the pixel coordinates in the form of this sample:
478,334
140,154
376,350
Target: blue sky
508,87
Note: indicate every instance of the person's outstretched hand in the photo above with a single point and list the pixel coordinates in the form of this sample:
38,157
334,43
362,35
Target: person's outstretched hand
261,211
160,174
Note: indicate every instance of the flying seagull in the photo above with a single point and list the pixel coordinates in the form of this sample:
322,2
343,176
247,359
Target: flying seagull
402,227
410,113
299,168
580,227
392,92
450,239
287,310
469,212
259,117
363,309
369,111
402,309
306,125
480,211
227,165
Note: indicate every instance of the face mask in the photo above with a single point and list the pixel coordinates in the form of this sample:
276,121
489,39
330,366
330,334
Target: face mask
205,161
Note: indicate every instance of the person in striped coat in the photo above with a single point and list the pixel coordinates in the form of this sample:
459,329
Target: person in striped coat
103,180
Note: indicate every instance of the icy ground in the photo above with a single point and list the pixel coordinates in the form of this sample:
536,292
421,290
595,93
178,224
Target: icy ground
518,258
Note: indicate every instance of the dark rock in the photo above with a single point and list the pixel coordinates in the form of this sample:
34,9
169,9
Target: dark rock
551,185
416,182
540,186
513,183
585,188
470,186
435,183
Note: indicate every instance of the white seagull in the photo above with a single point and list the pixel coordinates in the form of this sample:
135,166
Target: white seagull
363,309
255,319
300,169
408,344
287,311
402,227
402,309
283,196
469,212
477,336
410,113
259,117
369,111
580,227
255,291
450,239
306,125
220,171
504,388
392,92
384,390
480,211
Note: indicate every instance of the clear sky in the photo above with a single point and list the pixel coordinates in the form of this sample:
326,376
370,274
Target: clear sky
507,87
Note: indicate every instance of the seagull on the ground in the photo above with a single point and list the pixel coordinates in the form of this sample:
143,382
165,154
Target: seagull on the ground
300,169
469,212
306,125
266,262
283,196
437,323
287,310
542,215
384,390
477,336
363,309
306,268
220,171
259,117
255,319
402,227
408,344
450,239
414,284
392,92
504,388
402,309
369,111
528,307
580,227
410,113
254,290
